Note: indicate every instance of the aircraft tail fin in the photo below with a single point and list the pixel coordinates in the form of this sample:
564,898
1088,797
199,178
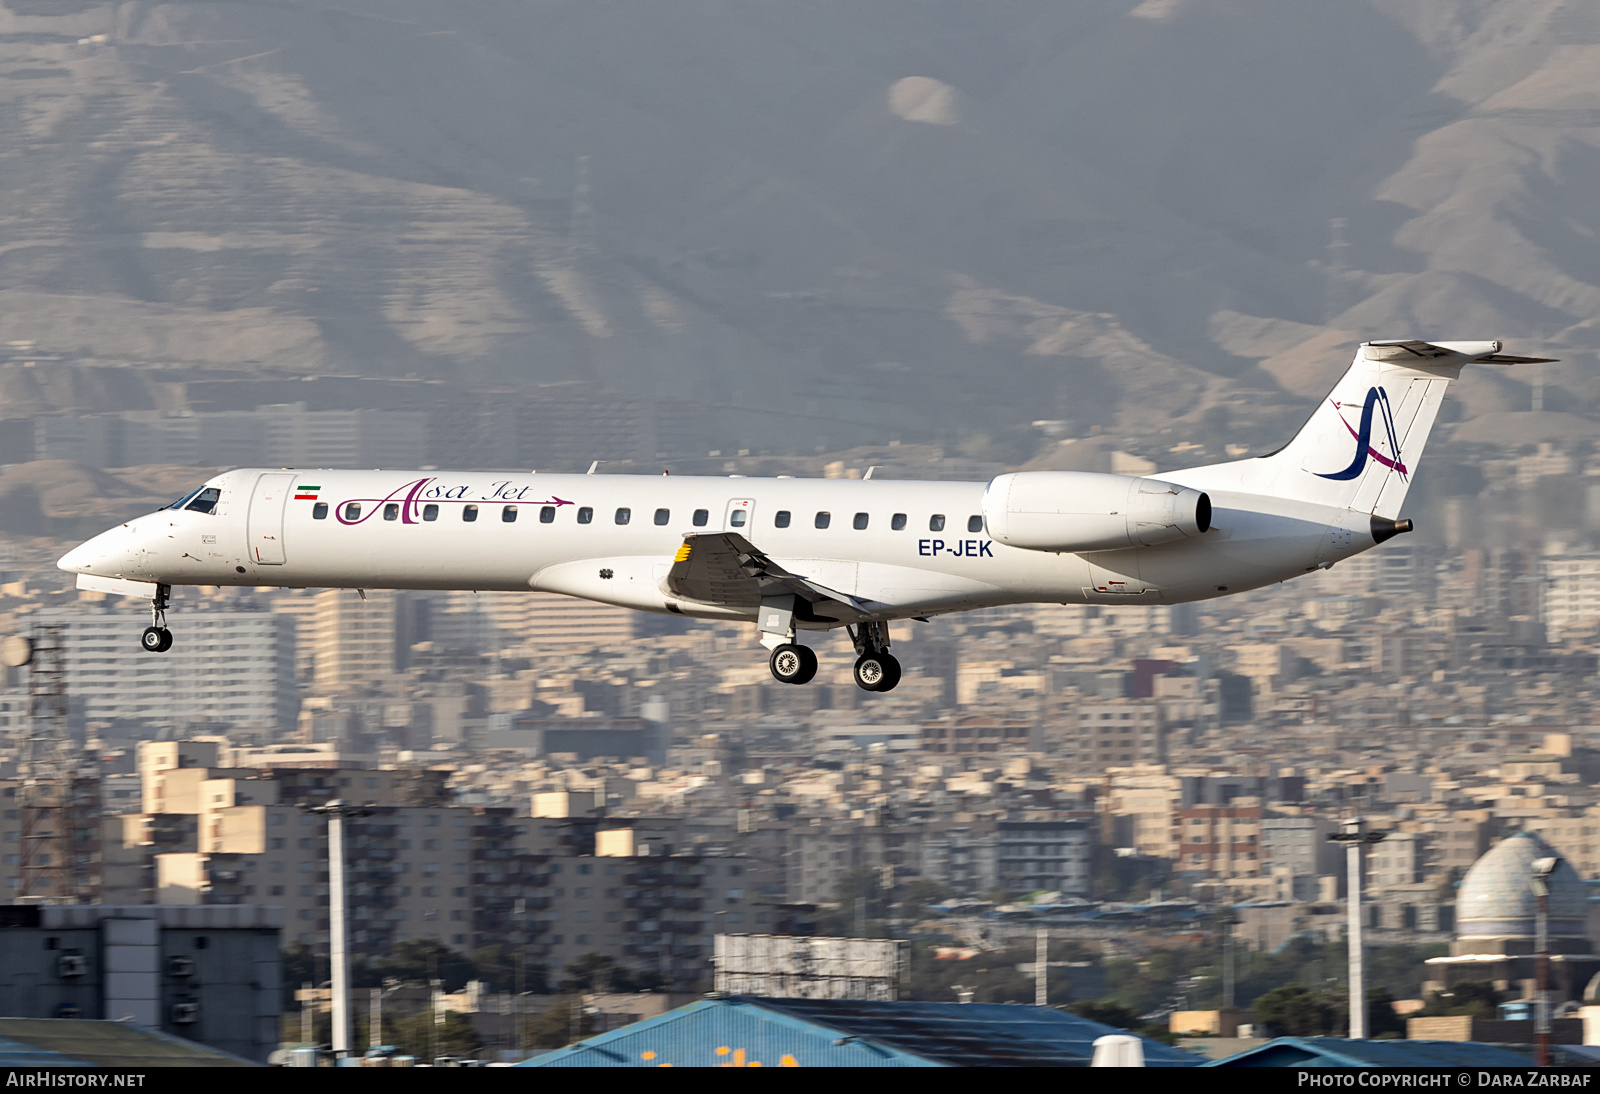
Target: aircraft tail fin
1361,445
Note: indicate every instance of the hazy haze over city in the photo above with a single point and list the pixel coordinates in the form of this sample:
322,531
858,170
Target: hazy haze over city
902,218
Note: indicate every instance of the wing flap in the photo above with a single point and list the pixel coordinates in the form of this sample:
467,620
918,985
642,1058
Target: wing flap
726,568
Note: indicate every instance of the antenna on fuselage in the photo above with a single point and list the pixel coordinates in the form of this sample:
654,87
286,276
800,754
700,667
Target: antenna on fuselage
593,467
868,475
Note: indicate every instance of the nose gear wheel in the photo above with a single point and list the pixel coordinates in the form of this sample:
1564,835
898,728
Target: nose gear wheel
156,637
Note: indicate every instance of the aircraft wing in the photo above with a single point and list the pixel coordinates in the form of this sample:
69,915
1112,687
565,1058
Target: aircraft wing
725,568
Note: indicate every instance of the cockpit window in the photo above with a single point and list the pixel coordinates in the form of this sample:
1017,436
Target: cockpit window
205,501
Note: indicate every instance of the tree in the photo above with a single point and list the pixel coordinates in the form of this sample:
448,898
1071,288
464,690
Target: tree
1382,1021
420,1035
498,966
1475,998
1115,1014
426,959
591,972
558,1025
1296,1012
920,892
1107,1013
299,967
861,899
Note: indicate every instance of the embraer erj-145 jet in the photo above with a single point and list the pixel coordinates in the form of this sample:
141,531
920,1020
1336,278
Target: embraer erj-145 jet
793,554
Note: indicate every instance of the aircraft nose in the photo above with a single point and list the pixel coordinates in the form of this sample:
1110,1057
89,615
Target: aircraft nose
98,556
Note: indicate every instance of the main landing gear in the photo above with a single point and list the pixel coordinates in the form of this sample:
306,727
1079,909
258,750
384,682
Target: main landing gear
156,637
794,664
876,668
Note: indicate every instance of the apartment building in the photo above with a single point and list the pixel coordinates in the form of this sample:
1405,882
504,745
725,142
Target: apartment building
1052,855
1141,809
1298,847
1116,733
1220,841
978,733
1571,591
231,668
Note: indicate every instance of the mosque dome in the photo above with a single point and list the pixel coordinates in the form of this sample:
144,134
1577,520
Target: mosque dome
1496,899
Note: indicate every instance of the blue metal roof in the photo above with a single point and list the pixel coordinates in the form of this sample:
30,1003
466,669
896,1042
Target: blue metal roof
747,1031
1342,1052
20,1054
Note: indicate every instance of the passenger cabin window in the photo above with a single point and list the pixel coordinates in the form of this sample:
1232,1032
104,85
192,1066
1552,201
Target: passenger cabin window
781,520
824,519
585,515
702,517
352,511
898,522
624,516
738,517
936,522
205,501
319,511
663,515
430,512
508,514
469,513
547,514
975,523
391,511
860,522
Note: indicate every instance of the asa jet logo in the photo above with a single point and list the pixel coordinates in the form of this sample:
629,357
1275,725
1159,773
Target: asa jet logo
1377,398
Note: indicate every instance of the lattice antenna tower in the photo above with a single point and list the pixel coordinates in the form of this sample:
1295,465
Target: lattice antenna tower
60,801
1337,286
580,228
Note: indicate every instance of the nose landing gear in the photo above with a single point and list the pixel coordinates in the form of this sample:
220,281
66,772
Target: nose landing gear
156,637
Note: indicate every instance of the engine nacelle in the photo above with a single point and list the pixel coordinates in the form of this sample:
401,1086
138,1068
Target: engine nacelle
1083,511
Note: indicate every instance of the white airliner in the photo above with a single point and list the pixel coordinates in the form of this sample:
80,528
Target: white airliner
813,554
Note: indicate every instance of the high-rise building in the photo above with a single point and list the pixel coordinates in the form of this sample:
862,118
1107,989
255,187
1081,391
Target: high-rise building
355,638
235,668
1571,591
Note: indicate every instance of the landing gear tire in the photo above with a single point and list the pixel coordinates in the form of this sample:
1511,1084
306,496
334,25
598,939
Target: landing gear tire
156,640
794,664
877,671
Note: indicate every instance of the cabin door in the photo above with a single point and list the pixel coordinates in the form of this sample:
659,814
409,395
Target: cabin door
265,526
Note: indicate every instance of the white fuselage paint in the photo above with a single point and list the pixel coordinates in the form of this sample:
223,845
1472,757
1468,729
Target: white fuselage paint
261,534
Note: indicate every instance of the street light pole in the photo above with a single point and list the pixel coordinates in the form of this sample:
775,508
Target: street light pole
338,953
1542,869
1354,839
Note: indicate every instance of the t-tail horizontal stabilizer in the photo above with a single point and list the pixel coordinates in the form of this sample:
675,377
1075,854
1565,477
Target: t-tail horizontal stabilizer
1361,445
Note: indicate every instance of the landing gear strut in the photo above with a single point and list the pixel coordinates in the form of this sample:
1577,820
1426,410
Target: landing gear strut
876,668
156,637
